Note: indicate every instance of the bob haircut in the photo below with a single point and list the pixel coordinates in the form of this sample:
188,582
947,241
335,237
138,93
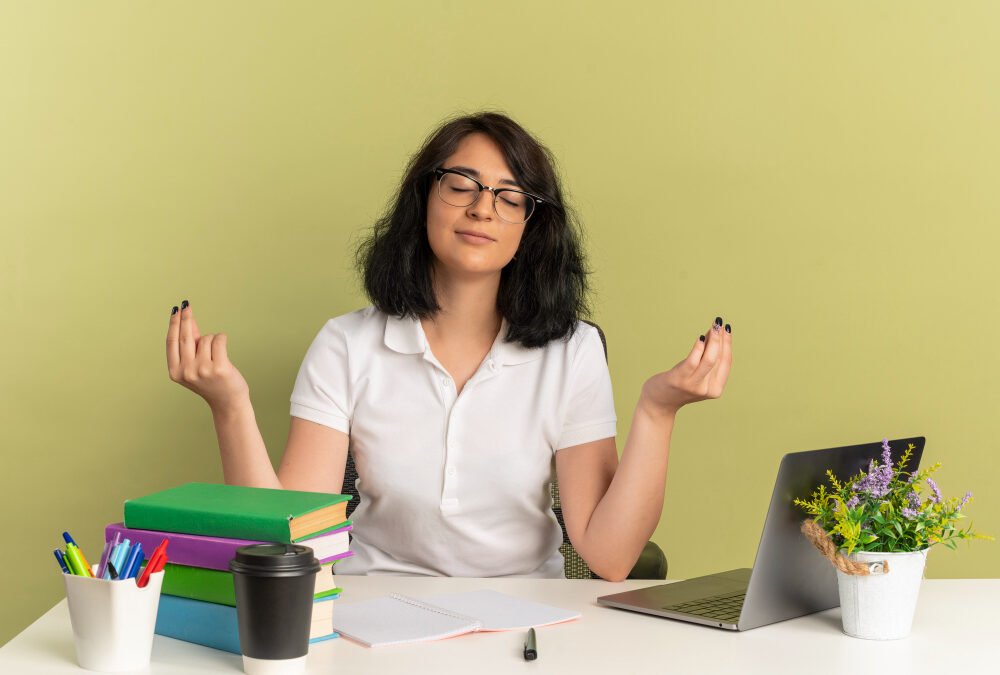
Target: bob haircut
543,291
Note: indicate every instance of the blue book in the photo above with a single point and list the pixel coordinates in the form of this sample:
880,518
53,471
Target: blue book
212,625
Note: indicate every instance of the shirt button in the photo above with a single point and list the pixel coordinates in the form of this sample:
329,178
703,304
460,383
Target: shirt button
451,472
444,381
493,366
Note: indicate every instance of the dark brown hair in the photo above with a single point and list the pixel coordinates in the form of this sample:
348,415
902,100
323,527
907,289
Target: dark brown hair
543,292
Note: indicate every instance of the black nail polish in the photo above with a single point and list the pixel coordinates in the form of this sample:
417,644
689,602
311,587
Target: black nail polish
702,338
184,305
173,311
729,329
718,321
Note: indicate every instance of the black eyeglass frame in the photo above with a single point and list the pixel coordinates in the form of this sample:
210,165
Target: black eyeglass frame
440,172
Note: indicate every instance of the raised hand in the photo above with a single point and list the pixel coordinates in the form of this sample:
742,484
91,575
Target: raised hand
200,362
702,375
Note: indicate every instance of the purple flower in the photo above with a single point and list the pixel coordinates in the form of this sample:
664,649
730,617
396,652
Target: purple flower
886,454
853,502
910,513
876,482
913,500
936,497
965,500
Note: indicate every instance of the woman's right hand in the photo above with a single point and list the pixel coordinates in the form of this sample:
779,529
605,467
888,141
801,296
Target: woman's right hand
200,363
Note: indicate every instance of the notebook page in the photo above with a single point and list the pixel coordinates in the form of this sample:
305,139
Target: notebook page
498,611
397,619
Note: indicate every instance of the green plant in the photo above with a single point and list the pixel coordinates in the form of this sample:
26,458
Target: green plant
881,510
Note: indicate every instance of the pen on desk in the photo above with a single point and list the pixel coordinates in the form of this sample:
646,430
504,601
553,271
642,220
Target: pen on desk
62,562
531,646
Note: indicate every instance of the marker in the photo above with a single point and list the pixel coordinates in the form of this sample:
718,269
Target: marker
531,646
112,572
62,562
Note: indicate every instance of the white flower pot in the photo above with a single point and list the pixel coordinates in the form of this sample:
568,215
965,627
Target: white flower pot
881,606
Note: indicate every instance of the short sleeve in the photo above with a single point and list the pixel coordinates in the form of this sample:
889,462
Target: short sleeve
322,391
590,408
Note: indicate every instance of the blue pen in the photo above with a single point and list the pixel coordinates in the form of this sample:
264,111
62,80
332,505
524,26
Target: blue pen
62,563
69,539
113,559
121,554
134,560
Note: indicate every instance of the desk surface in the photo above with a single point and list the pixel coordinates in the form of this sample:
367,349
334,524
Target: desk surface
955,630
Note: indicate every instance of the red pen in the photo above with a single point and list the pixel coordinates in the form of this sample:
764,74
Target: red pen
156,561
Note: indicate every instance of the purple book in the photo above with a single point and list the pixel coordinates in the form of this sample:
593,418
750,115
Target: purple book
215,552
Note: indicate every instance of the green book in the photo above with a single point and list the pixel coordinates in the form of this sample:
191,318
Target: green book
238,512
207,585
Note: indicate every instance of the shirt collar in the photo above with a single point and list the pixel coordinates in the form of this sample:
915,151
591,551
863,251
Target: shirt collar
406,336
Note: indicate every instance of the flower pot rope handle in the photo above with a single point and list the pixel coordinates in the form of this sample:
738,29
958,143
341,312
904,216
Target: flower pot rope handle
822,541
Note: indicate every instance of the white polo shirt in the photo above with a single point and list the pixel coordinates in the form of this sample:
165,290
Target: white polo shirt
453,485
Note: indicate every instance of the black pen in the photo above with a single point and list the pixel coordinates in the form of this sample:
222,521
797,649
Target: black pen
531,646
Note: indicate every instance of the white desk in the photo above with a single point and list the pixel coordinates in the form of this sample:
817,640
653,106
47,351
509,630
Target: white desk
956,629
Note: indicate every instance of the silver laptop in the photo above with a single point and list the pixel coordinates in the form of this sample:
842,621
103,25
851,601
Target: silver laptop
789,577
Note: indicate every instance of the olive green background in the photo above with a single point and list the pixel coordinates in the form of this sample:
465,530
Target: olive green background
823,175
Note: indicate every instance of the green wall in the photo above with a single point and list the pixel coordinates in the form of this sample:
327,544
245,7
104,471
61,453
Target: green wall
823,175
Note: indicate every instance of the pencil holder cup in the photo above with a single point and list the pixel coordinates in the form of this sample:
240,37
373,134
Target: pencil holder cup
112,621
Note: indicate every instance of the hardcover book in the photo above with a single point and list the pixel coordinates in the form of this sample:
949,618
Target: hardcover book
238,512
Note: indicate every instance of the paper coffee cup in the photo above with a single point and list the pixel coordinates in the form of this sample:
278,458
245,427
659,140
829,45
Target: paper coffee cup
274,585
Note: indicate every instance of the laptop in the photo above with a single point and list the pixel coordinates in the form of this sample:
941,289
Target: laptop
789,578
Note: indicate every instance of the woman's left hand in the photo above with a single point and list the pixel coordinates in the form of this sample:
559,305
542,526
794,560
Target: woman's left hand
701,375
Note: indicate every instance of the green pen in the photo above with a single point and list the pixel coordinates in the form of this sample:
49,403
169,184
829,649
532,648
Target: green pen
75,564
531,646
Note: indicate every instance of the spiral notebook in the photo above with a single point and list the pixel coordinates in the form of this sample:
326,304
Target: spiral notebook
400,619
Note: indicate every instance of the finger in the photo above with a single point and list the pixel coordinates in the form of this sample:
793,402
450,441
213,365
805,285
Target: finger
725,364
219,352
204,355
188,334
713,348
694,357
173,346
187,340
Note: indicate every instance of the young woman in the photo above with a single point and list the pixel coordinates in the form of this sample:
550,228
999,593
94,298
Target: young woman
467,375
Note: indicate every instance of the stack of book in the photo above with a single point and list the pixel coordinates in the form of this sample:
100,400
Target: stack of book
205,524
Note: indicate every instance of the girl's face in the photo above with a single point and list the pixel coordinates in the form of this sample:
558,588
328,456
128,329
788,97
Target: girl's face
477,156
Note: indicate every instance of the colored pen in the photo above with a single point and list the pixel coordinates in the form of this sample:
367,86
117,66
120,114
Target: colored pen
154,559
109,546
121,554
73,559
112,572
62,562
135,554
531,646
113,556
133,571
86,565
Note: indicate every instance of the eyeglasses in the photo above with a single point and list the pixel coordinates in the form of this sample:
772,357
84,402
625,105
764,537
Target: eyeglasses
512,206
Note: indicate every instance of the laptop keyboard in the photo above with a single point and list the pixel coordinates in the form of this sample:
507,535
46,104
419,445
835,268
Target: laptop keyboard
724,607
